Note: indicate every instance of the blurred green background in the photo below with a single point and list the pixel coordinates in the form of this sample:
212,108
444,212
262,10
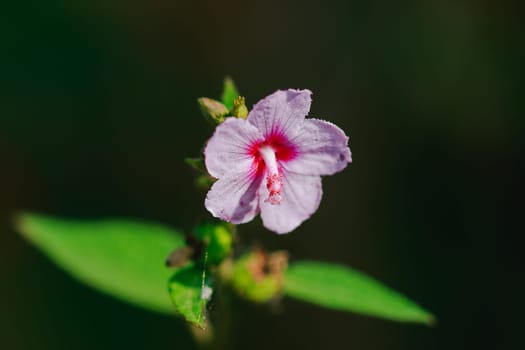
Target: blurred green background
98,109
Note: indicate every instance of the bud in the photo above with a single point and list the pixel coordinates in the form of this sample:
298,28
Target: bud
239,108
212,109
258,276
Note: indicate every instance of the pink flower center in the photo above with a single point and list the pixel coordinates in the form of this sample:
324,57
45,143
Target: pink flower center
266,158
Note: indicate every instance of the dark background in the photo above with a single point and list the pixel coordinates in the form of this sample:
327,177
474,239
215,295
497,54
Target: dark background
97,111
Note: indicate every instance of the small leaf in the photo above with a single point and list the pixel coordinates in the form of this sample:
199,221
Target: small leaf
229,93
196,164
189,293
204,182
122,258
341,288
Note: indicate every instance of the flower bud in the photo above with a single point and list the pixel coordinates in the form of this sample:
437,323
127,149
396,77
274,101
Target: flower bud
218,242
258,276
239,108
213,110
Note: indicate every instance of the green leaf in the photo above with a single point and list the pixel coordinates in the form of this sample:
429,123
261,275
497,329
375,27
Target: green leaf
196,163
124,259
229,93
186,291
341,288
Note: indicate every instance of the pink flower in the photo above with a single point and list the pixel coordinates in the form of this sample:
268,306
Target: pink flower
272,162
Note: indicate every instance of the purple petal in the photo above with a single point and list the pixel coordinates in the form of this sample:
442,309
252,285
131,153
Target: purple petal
235,197
322,149
228,148
281,112
300,199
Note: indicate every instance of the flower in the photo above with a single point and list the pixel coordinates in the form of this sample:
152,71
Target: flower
272,162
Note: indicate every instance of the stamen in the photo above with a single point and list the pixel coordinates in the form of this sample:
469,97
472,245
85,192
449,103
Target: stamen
274,184
274,180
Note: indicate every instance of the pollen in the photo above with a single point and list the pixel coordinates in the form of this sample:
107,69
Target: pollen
274,184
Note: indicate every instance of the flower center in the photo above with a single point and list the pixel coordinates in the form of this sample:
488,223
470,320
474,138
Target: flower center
274,179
